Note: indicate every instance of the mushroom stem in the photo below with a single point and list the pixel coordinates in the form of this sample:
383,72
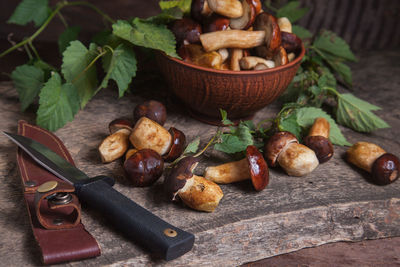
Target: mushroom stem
231,39
114,146
236,55
229,172
284,24
227,8
318,140
321,127
201,194
250,62
297,159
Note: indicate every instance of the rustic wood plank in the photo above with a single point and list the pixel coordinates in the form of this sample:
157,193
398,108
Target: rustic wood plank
334,203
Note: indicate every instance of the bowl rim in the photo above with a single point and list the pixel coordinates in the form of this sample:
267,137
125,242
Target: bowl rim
247,72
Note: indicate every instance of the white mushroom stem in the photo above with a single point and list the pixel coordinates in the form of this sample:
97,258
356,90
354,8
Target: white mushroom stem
224,54
227,8
364,154
231,39
321,127
284,24
297,159
260,66
229,172
248,63
150,134
114,146
291,57
236,55
201,194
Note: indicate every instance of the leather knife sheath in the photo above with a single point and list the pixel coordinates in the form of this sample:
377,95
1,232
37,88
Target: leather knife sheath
53,208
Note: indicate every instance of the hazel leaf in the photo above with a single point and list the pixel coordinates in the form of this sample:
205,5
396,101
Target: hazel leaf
192,147
70,34
30,10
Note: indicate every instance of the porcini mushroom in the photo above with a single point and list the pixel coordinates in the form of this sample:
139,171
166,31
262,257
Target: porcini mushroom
215,23
152,109
227,8
199,9
249,15
280,58
178,144
252,167
296,159
268,24
195,191
144,167
384,167
195,54
284,24
318,140
231,39
186,31
291,42
115,145
250,62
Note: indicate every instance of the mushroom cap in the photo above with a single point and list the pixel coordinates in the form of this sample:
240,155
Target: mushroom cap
258,168
151,109
385,169
322,147
280,58
178,144
291,42
199,9
186,30
144,167
268,23
215,23
249,15
179,176
276,144
120,123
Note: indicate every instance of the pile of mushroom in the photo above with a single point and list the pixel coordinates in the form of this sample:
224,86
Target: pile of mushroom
234,35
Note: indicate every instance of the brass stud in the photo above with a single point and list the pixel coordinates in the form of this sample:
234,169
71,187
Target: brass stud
170,232
47,186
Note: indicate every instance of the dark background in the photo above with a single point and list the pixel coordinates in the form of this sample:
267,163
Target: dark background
364,24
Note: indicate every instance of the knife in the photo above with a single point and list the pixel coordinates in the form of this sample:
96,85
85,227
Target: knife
142,226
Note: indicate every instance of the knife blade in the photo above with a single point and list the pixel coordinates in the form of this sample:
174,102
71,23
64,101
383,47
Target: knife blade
134,221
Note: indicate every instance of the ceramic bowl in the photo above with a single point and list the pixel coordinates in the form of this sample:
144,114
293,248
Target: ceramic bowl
241,93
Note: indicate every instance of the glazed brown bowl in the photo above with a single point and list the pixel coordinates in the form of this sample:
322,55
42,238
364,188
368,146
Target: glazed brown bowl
241,93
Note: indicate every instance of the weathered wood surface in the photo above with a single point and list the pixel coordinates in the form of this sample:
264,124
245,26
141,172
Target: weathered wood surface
333,203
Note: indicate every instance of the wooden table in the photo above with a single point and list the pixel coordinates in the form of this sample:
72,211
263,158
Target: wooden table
334,203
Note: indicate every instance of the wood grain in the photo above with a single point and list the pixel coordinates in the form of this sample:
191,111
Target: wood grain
334,203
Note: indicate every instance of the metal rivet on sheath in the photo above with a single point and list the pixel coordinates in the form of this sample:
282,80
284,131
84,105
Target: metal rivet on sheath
60,198
169,232
58,221
30,183
47,186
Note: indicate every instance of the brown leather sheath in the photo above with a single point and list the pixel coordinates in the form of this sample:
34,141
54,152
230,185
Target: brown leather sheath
53,209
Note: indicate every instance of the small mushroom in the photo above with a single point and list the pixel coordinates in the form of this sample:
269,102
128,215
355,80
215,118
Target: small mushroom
186,31
291,42
178,145
296,159
151,109
384,167
318,140
115,145
224,54
199,10
227,8
249,15
248,63
280,58
144,167
195,191
215,23
149,134
252,167
195,54
231,39
267,23
284,24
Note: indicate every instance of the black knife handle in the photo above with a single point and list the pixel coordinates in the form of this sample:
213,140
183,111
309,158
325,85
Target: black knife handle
134,221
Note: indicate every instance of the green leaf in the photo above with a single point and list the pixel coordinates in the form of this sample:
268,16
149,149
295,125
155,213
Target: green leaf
146,34
120,65
327,80
356,114
291,11
76,70
230,144
183,5
102,38
58,104
244,134
290,124
166,16
28,80
343,70
70,34
329,42
224,116
30,10
301,32
192,147
306,117
249,124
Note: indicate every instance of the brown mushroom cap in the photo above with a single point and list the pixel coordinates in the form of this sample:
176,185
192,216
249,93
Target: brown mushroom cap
152,109
385,169
215,23
281,58
322,147
186,30
119,124
268,23
199,9
179,175
291,42
258,168
249,15
178,144
276,144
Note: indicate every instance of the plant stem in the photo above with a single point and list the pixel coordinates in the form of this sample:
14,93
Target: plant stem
88,66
